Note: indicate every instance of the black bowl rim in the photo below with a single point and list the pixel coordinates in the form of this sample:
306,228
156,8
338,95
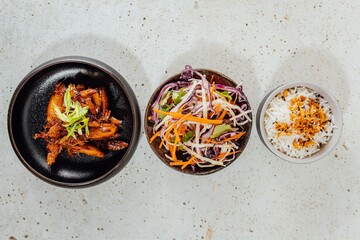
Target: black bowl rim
120,80
212,169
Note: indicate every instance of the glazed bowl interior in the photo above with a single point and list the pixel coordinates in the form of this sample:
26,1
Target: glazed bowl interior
337,119
160,152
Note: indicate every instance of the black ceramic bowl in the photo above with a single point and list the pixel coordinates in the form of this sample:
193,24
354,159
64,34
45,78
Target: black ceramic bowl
27,116
160,152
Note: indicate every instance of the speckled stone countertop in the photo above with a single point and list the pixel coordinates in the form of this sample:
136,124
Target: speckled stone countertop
260,43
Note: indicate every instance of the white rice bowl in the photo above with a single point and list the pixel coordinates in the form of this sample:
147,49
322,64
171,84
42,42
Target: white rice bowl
296,144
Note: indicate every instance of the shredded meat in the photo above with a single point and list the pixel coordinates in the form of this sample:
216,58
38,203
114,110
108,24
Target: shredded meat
103,128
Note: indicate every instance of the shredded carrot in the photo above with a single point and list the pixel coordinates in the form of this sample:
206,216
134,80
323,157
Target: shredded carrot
186,164
181,108
183,164
182,129
173,152
223,114
162,142
217,108
149,117
172,149
221,155
155,135
189,118
212,89
177,137
176,163
205,139
233,137
167,132
190,161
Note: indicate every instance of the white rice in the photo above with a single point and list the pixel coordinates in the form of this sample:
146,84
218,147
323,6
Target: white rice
278,112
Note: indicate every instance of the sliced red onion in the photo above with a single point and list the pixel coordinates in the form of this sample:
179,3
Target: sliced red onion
184,84
226,135
198,110
231,89
187,73
188,96
174,86
208,133
168,86
211,152
240,87
244,106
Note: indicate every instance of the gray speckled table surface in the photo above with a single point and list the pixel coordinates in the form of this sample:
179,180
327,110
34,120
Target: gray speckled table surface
258,42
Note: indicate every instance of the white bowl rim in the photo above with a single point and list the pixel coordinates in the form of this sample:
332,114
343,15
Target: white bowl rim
336,111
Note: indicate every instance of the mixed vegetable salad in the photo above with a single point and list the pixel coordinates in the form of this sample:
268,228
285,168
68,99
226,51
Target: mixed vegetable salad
199,121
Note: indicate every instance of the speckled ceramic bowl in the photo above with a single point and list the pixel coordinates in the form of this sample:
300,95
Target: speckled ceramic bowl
160,152
27,116
326,149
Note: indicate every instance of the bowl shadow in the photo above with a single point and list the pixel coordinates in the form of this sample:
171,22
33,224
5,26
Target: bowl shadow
317,66
109,51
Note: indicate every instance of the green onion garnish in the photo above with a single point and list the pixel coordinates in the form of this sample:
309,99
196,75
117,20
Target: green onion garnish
74,116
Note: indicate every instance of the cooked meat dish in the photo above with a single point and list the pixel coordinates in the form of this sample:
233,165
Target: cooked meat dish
79,121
